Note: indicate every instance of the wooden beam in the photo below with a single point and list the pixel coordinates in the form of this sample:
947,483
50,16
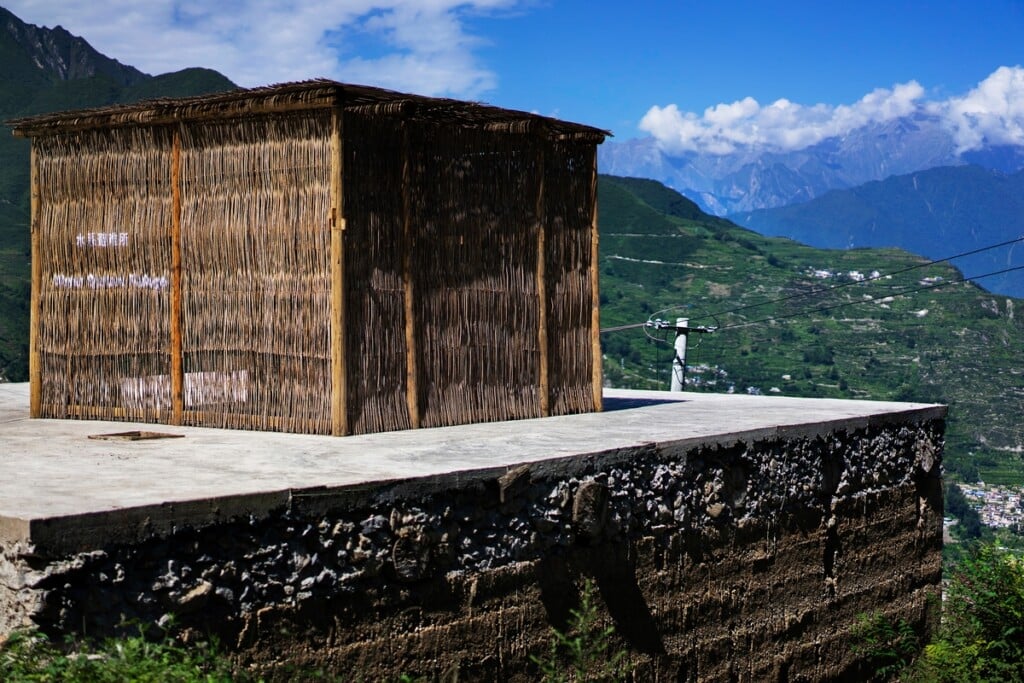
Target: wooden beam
295,425
177,368
339,376
544,385
595,293
102,412
35,370
43,125
412,393
192,417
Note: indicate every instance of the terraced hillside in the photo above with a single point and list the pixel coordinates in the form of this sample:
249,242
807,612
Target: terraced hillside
797,321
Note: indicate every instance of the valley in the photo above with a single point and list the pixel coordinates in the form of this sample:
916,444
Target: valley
784,329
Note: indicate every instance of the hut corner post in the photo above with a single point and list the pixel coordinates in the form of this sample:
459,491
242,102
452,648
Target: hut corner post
339,377
412,393
595,315
35,370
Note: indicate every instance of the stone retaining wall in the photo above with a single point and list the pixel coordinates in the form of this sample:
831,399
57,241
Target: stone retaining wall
740,558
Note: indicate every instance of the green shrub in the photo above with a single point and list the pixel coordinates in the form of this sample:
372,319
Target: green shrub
581,653
28,656
889,647
982,633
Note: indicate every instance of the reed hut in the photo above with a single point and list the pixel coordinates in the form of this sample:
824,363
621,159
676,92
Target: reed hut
312,257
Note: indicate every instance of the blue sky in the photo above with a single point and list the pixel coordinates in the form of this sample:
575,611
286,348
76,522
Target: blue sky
636,68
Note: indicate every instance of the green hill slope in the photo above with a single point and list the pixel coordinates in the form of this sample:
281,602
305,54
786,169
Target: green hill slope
955,344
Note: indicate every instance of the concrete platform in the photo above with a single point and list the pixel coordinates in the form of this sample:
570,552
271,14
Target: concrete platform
755,526
62,491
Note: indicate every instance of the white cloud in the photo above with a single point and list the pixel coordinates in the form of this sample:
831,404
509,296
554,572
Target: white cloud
991,113
781,125
418,45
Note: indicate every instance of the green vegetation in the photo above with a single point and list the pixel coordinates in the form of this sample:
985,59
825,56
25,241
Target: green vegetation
969,525
981,638
982,634
785,330
582,652
889,648
29,657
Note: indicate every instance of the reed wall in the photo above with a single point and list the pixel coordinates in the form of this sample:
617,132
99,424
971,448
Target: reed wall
187,272
255,282
105,256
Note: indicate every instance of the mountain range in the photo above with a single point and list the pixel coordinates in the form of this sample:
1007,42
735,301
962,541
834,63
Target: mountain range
937,213
754,177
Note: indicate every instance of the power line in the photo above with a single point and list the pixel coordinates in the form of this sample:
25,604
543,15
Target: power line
822,290
825,309
623,327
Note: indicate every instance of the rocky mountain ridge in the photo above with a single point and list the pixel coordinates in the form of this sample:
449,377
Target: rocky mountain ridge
937,213
757,178
60,55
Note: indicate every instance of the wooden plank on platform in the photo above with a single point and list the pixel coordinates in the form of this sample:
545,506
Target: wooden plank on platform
544,387
412,393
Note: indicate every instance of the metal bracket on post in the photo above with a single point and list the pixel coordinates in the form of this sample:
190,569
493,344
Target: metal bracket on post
682,329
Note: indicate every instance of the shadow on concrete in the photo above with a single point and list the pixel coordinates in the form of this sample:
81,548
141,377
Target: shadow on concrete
611,403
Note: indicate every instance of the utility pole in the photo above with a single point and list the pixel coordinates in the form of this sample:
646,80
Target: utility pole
679,361
682,329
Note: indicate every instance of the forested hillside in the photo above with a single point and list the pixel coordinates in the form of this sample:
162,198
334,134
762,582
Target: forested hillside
935,213
796,320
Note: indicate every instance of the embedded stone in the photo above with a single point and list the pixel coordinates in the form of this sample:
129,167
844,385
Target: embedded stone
411,558
513,483
590,510
195,599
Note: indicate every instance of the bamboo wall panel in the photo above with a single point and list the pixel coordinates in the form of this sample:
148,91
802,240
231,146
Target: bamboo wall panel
374,294
104,211
255,273
569,201
475,275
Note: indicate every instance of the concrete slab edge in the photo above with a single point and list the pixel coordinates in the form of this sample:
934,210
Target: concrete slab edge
57,536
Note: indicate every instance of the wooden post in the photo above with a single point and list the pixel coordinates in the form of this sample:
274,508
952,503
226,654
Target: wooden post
339,376
35,370
412,394
177,368
595,293
542,294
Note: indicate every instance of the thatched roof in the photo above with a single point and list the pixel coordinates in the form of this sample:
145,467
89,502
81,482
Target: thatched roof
305,95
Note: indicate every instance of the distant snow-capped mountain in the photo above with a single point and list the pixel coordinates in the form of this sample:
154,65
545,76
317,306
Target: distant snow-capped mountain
756,178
